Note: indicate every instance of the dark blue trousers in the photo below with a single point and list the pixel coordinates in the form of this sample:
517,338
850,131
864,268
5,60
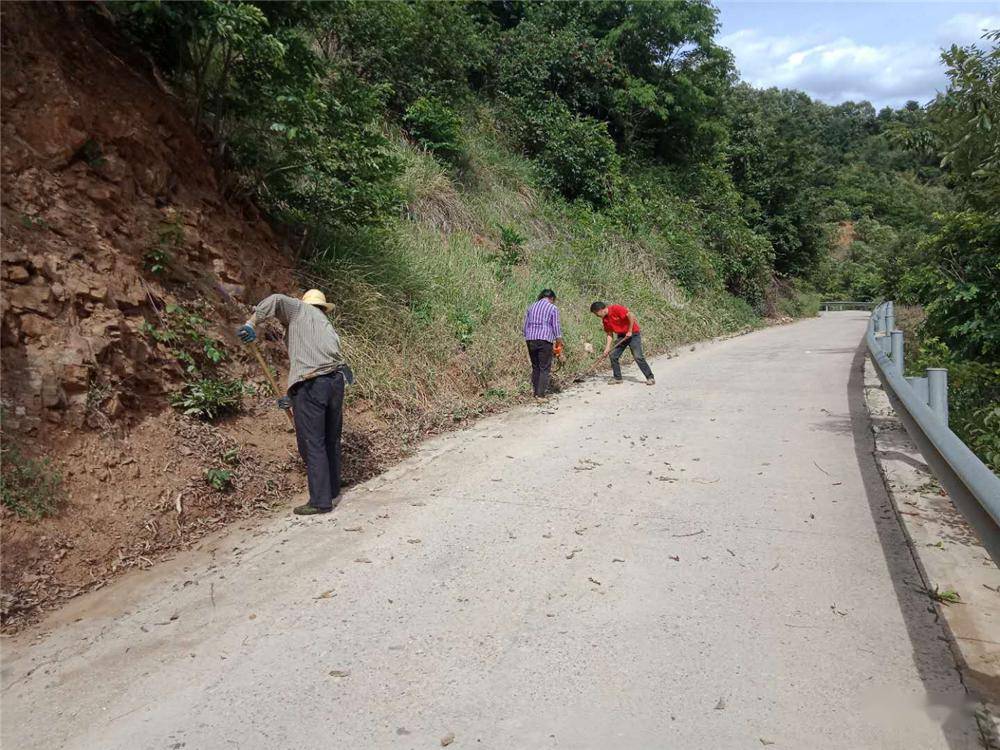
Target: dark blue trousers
318,405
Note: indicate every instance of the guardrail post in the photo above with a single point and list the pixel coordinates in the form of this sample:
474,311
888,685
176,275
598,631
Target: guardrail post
896,349
937,392
890,318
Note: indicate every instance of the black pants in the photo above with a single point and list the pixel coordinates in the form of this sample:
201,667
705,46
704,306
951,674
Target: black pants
318,404
540,352
635,344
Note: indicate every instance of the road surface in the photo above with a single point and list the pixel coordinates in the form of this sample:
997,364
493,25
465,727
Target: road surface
709,563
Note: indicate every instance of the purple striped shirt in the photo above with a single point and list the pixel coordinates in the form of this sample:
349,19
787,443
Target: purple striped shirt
541,322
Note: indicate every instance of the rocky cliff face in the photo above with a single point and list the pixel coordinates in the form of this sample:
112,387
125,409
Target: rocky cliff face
103,183
97,164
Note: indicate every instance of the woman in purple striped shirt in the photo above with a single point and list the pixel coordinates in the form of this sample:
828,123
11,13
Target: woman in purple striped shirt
543,334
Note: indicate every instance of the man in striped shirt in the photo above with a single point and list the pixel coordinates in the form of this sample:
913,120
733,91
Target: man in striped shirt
316,377
543,335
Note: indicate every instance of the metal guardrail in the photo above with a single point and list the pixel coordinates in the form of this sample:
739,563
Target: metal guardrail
921,403
846,305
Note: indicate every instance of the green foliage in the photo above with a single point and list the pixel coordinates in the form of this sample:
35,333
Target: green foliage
948,596
209,398
157,260
416,49
510,252
29,487
668,185
960,283
299,129
973,394
184,332
799,300
221,480
982,433
578,157
32,222
777,162
966,119
650,70
92,154
436,127
169,237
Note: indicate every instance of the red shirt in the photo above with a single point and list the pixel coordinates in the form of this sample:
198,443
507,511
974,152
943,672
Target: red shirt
616,321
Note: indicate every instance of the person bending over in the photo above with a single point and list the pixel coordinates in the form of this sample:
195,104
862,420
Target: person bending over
317,374
619,321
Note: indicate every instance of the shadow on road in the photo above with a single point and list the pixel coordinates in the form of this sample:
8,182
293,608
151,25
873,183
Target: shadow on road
931,655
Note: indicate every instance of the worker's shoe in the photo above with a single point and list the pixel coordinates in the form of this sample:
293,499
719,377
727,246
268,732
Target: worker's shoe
650,381
309,510
615,381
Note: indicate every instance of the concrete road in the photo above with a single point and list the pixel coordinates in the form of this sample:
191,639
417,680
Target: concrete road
710,563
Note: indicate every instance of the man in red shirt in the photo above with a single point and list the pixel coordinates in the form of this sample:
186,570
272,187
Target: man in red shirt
619,320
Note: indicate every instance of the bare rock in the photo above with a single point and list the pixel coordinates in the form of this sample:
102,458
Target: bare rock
53,396
35,326
16,274
35,297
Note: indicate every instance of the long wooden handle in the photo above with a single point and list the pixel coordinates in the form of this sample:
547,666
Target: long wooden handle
270,378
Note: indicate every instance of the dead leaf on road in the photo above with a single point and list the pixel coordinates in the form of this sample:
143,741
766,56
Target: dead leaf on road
325,595
362,560
447,739
593,580
572,552
721,704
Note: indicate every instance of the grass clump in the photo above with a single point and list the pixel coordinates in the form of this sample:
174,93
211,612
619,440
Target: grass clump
30,487
209,398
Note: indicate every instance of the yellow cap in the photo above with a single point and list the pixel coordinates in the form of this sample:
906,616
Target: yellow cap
316,297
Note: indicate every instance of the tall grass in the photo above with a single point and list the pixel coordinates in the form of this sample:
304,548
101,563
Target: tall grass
431,305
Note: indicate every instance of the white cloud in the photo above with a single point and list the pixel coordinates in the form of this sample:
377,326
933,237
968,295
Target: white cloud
837,69
966,28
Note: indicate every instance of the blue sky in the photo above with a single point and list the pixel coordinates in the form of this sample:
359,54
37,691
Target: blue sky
885,52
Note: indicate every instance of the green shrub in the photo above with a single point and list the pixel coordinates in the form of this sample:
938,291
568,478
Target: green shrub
982,434
798,300
960,284
30,487
219,479
169,237
436,127
973,394
578,157
209,398
510,252
300,129
184,332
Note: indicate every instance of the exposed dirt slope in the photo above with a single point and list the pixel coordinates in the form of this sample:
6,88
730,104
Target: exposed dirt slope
100,167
